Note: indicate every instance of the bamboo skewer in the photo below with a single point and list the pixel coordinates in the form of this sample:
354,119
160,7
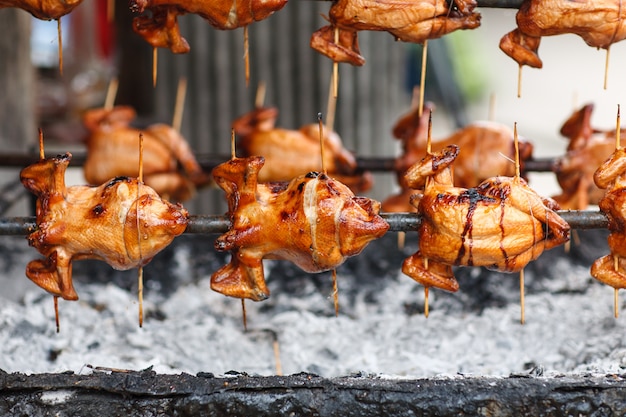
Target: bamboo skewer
334,271
423,78
138,225
618,146
60,45
606,67
155,58
246,54
109,101
519,81
179,105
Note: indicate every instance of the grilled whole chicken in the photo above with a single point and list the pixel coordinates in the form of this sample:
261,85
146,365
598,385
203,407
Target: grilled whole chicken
501,224
290,153
486,150
43,9
406,20
599,22
121,222
313,221
587,150
113,150
161,30
611,176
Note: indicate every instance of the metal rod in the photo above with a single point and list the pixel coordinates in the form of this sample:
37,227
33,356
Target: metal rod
500,4
398,222
208,162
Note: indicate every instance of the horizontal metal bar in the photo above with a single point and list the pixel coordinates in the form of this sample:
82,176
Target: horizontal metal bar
208,162
500,4
398,222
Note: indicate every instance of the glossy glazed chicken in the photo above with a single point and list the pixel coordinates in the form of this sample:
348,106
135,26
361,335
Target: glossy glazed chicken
502,224
406,20
160,29
599,22
121,222
113,150
43,9
611,176
487,150
587,150
290,153
313,221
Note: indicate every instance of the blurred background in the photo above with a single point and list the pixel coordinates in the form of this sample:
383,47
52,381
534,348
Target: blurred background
468,78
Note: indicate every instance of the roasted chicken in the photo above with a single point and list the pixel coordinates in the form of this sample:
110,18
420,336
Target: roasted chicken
122,222
313,221
43,9
160,29
599,22
487,150
113,150
290,153
587,150
406,20
611,176
502,224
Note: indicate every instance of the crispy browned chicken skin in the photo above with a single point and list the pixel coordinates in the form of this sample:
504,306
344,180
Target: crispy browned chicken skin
587,150
486,149
599,22
121,222
289,153
43,9
313,221
502,224
611,176
160,29
406,20
113,150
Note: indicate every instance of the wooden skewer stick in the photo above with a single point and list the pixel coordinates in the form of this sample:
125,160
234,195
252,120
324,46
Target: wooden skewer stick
335,287
233,152
279,366
138,220
60,37
109,100
618,146
244,316
179,106
335,293
522,301
56,312
321,128
155,59
618,130
246,54
259,99
517,179
42,154
427,184
336,67
519,81
233,155
331,107
423,78
606,66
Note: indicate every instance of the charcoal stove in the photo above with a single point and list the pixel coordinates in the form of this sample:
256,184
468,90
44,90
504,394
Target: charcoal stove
193,356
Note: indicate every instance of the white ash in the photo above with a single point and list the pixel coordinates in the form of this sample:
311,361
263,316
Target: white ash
380,329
